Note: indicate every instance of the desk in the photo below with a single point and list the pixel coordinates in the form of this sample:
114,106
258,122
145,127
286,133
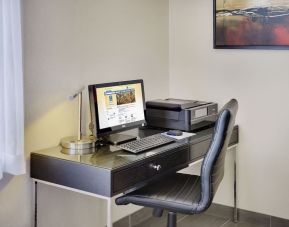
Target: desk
117,170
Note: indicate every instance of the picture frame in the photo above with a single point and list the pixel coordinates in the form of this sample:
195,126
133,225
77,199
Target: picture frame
251,24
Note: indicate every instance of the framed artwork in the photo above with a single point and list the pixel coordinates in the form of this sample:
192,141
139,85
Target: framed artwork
257,24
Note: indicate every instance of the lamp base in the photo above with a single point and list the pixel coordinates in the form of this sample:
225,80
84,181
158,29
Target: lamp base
76,152
72,143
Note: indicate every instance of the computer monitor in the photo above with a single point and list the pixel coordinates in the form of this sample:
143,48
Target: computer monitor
117,106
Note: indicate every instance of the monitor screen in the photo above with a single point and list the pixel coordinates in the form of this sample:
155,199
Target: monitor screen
117,106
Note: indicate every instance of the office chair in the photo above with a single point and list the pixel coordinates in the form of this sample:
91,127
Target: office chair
190,194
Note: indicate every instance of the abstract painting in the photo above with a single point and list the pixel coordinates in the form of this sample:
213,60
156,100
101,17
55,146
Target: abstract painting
260,24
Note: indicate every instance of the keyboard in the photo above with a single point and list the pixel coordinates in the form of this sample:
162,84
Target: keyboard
146,143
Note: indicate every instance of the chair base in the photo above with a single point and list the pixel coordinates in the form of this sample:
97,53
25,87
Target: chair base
172,219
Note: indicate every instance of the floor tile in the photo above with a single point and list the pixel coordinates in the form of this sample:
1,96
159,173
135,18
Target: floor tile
242,224
124,222
158,222
254,218
220,211
203,220
141,215
279,222
153,222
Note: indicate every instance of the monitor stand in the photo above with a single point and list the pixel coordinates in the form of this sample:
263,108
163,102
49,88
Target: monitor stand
116,139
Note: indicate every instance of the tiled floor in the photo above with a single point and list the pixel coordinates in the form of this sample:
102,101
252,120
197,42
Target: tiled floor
216,216
203,220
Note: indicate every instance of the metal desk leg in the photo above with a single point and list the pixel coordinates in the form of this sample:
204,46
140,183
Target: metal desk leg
35,203
109,222
235,218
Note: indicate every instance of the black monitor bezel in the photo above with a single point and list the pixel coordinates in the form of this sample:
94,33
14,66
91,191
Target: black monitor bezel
94,108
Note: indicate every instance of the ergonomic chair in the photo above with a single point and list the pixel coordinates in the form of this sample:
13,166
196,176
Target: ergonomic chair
184,193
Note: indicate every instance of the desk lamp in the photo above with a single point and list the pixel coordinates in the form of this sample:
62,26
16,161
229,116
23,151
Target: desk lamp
80,144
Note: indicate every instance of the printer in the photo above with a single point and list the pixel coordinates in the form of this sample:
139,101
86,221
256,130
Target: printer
185,115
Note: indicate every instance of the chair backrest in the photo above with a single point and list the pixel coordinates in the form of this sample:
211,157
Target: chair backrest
212,170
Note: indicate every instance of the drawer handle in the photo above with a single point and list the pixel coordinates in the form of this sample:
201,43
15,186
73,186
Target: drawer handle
155,167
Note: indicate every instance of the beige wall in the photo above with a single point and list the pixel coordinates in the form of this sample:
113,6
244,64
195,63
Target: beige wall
259,80
68,44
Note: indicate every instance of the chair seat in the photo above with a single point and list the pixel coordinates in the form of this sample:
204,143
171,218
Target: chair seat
176,193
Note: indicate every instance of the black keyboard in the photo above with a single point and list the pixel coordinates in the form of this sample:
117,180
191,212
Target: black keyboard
146,143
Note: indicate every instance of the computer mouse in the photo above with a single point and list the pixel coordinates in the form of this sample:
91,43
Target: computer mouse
175,133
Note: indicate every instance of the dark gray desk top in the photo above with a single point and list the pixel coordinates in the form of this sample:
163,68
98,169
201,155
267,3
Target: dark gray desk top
111,157
108,157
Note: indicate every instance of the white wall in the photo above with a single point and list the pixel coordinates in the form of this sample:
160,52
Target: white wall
259,80
68,44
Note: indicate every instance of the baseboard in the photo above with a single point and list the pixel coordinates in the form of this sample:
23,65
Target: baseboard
217,210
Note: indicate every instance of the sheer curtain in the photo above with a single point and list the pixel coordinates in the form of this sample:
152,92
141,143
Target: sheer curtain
11,89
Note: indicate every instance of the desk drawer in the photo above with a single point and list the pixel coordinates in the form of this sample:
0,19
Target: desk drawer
129,177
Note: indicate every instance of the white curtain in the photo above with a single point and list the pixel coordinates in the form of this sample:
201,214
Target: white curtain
11,89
